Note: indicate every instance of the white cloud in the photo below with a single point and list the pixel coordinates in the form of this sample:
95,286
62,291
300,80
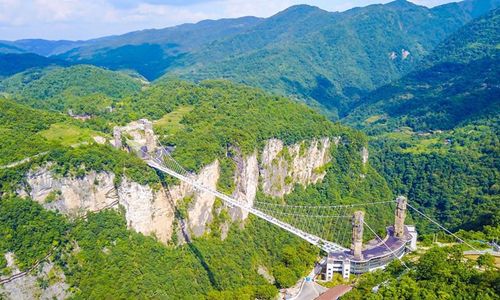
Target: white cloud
83,19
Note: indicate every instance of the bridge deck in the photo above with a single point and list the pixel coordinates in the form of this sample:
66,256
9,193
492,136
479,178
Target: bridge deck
314,240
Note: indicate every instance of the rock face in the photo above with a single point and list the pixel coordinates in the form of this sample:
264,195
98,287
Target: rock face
364,155
200,209
152,211
72,195
139,135
28,287
283,167
147,211
246,183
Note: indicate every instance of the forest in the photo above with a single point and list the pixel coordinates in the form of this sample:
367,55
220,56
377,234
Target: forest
414,88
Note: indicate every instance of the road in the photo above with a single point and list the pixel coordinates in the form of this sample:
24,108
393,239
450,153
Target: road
311,290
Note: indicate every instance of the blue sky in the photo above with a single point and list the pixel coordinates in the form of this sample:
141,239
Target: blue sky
84,19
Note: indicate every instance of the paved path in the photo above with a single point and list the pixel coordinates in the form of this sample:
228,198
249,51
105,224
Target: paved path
22,161
481,252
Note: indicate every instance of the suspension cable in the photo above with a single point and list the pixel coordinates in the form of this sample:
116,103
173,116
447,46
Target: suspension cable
324,206
440,226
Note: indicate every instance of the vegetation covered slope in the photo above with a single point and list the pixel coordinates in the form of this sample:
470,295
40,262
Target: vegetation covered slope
452,175
151,52
12,63
435,132
456,83
52,137
440,273
111,261
57,88
333,58
305,52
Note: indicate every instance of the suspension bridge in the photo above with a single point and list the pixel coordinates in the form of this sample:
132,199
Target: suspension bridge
162,161
326,227
332,228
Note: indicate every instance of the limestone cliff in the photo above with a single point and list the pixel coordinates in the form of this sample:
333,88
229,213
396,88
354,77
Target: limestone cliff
28,287
152,210
146,210
284,166
246,179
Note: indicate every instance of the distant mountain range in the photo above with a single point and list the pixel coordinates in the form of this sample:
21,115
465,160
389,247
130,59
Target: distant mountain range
329,59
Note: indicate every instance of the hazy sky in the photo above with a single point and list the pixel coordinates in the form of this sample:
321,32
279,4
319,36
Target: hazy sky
84,19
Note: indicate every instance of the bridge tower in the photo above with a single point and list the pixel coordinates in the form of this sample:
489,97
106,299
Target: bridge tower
400,215
357,234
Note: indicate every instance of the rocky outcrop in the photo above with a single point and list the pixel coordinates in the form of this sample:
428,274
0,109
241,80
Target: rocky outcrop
284,166
139,136
28,286
71,195
364,155
246,183
200,209
146,210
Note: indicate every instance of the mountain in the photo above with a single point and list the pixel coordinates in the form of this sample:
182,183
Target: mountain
44,47
435,133
86,217
12,63
216,129
333,58
328,59
151,52
459,81
7,48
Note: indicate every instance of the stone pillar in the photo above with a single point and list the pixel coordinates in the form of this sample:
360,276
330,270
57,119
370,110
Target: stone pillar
364,155
400,215
117,134
357,234
149,135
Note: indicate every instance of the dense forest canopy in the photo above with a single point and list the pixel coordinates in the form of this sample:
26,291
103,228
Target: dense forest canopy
420,86
63,88
434,133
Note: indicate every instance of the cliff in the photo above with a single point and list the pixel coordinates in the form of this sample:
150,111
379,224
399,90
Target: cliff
151,210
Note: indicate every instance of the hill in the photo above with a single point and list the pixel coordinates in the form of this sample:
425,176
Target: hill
59,88
456,83
12,63
434,133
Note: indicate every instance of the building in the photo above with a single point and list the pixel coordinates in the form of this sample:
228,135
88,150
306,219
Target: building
399,240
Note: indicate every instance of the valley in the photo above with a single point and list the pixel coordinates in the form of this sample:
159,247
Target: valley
238,158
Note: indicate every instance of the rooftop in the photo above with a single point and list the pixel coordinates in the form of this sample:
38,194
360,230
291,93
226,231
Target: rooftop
380,249
335,292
